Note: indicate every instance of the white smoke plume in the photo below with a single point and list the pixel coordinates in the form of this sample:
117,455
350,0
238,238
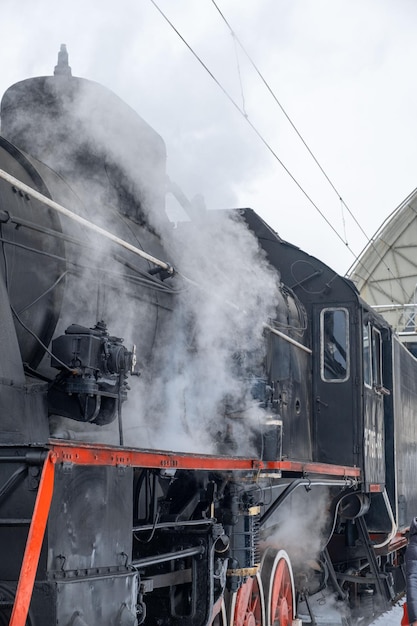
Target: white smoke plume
213,341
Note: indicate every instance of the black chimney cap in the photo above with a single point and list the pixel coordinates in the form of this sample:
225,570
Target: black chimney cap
62,68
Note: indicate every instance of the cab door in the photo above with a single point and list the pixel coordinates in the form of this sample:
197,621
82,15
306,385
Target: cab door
335,385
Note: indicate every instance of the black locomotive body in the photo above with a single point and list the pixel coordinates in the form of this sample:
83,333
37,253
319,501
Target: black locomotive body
286,503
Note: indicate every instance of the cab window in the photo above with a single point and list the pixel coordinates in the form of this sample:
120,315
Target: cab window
367,367
334,327
376,358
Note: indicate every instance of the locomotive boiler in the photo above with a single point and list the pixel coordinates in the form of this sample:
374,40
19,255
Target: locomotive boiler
199,421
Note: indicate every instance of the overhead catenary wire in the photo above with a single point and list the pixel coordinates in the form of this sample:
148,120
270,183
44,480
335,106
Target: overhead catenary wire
268,87
370,240
242,93
254,128
309,150
245,115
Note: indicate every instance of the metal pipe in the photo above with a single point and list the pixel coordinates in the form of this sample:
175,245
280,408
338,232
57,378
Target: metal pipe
287,338
342,595
13,459
12,480
394,527
302,482
81,220
389,307
173,524
169,556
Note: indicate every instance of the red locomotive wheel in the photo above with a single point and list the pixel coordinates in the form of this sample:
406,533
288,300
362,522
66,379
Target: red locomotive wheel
248,607
279,588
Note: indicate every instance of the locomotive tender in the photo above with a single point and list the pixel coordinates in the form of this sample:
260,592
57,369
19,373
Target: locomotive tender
294,509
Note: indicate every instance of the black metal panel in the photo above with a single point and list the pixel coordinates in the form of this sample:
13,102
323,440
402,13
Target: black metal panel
23,408
98,600
87,550
389,427
376,378
24,414
11,368
373,438
109,600
90,524
32,262
289,371
405,432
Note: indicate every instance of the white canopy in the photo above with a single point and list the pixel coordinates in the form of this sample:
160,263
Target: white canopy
386,271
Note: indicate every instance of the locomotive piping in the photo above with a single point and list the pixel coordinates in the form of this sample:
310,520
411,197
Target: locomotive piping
174,524
40,342
302,482
144,277
392,520
12,480
169,556
287,338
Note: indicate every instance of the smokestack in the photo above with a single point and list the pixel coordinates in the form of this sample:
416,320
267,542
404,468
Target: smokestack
62,68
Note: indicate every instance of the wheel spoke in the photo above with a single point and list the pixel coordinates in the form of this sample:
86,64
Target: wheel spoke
247,606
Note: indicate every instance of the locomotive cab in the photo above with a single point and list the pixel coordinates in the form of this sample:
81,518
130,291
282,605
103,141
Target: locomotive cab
348,386
349,363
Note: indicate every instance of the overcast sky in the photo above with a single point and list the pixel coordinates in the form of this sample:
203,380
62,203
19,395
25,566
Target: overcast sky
344,71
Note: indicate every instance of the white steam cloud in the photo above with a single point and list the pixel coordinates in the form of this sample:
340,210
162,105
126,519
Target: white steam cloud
300,526
196,364
215,339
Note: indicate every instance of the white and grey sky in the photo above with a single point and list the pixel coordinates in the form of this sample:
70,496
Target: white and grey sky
342,69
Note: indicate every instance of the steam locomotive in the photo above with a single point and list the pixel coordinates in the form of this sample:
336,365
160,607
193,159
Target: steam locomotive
243,456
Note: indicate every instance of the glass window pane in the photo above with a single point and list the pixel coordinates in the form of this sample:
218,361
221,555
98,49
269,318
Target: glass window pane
376,358
334,361
367,379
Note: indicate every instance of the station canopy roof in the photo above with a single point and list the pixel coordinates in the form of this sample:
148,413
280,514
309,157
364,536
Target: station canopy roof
385,273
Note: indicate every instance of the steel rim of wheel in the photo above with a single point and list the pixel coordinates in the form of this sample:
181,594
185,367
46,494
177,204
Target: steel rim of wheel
248,608
219,618
279,582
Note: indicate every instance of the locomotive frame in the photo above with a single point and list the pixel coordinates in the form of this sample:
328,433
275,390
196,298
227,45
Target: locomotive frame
279,601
